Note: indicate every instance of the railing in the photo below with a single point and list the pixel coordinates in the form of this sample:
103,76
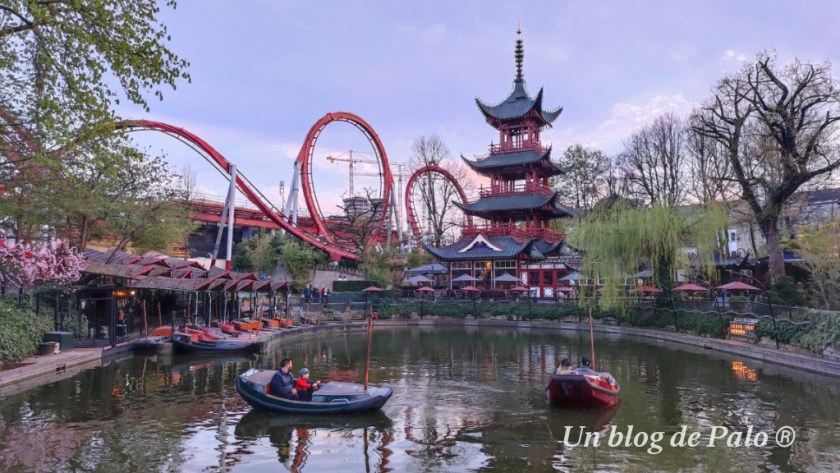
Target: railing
517,231
529,187
521,146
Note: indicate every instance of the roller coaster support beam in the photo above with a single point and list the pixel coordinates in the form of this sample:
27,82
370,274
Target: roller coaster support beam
291,209
231,207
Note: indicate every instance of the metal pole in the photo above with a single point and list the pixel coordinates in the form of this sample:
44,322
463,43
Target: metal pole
218,244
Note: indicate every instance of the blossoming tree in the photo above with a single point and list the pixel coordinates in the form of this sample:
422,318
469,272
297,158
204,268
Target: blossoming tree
52,262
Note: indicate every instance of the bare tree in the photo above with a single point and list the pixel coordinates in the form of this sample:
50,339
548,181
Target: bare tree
778,127
433,191
709,176
654,161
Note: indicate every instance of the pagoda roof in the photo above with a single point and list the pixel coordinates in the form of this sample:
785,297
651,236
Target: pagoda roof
486,206
547,248
482,247
518,159
518,104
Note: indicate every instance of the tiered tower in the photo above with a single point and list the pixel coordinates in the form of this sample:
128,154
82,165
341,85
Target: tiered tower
519,204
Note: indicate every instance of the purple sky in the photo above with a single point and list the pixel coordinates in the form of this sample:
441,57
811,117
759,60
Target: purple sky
263,71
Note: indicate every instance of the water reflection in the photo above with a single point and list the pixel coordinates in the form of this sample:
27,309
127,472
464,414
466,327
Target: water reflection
465,400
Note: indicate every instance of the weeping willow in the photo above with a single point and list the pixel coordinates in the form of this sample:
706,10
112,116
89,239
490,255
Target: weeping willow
617,240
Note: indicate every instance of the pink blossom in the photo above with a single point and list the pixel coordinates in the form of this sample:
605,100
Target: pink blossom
51,262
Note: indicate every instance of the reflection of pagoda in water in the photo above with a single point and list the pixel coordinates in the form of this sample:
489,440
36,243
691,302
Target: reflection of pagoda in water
519,205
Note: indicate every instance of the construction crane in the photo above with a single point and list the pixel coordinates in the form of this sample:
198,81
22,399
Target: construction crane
352,160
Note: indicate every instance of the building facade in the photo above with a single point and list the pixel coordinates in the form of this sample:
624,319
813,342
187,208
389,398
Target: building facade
514,238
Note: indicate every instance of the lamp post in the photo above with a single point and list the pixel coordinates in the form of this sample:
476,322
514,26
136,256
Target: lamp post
769,303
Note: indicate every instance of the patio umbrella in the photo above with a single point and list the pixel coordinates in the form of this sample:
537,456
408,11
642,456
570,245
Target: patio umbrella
368,290
573,276
691,288
566,289
417,280
519,289
507,277
426,289
739,286
648,273
465,278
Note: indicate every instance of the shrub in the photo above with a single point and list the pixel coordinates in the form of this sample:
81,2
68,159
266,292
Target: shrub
737,302
350,286
20,330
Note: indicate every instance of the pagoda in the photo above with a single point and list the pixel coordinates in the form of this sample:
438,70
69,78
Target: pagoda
515,243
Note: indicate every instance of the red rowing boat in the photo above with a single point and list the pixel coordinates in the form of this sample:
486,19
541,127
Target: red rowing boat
583,388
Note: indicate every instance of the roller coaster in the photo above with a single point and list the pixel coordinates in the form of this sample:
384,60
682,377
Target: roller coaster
334,238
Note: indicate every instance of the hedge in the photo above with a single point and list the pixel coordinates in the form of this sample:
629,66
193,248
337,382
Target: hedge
21,329
350,286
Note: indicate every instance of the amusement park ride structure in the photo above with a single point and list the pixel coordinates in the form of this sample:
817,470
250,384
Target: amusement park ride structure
314,229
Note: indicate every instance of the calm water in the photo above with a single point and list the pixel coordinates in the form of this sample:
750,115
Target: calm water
465,400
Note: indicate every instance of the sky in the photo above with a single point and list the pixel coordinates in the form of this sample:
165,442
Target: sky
264,71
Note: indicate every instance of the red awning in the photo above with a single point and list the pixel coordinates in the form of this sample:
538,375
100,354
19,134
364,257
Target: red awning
691,288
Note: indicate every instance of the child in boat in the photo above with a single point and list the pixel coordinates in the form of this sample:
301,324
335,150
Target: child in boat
304,387
565,366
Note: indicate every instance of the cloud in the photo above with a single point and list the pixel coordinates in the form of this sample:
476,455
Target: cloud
625,119
732,55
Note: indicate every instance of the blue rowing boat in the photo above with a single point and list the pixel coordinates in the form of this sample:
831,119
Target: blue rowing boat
331,398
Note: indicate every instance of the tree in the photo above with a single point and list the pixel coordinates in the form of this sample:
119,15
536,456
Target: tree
299,259
778,127
709,177
585,183
112,191
63,64
820,252
654,161
435,193
618,239
49,262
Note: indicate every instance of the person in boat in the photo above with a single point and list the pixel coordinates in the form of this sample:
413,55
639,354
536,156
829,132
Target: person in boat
586,366
565,366
304,387
283,383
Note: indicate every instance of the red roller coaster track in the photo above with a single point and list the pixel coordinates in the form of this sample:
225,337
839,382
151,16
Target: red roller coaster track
242,184
321,238
409,194
304,160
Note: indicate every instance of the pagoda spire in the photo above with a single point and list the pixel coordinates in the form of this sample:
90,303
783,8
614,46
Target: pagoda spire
519,53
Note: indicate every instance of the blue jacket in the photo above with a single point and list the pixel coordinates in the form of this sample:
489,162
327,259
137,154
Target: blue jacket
281,385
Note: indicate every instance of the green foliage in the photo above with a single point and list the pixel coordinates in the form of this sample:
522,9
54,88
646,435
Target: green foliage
21,329
737,302
823,332
582,186
384,268
785,292
820,250
299,259
785,331
415,258
617,239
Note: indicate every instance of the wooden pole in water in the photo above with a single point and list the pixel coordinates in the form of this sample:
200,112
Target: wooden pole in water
160,316
367,356
591,339
145,321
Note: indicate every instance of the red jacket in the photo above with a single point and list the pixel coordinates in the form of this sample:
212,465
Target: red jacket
302,384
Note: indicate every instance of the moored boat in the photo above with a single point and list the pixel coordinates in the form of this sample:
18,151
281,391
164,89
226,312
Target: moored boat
190,343
583,388
331,398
